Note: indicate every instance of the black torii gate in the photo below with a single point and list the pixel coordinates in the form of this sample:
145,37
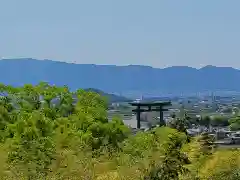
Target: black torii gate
159,107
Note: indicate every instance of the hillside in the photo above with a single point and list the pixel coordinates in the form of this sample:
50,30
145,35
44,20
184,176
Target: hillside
112,98
120,79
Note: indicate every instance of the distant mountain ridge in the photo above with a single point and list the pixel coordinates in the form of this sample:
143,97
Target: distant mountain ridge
120,79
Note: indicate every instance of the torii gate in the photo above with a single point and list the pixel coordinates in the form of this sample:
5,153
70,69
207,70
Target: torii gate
159,107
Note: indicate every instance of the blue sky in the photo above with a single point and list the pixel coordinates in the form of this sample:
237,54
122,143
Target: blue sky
157,33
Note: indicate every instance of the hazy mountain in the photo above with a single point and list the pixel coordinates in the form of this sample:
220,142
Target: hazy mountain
110,97
110,78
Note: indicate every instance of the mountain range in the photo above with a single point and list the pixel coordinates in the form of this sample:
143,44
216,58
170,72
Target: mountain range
120,79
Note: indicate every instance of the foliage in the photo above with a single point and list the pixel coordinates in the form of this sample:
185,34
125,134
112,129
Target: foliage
205,121
206,143
49,132
219,121
33,118
222,165
31,146
196,157
173,161
235,123
181,124
215,121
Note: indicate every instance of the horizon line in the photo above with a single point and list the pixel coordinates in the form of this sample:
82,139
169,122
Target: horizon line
125,65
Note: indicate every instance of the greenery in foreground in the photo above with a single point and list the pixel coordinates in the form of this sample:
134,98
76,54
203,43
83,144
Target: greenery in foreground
46,134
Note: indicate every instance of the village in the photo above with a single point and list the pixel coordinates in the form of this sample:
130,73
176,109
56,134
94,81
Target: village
207,114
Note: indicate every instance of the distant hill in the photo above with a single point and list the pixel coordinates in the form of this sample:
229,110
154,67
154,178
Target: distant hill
121,79
112,98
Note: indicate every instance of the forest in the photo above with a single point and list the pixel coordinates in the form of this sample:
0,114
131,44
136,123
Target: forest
50,132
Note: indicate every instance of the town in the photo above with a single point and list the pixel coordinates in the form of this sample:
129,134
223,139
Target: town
216,115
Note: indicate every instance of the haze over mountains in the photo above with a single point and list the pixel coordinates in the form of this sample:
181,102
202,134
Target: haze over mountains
120,79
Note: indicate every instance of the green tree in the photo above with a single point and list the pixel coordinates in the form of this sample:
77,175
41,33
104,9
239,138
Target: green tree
181,124
173,161
205,121
206,143
234,123
218,121
31,149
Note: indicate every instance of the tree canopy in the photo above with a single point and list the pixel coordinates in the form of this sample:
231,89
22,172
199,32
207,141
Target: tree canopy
49,132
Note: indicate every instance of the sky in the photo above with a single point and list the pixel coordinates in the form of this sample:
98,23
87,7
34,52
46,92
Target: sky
158,33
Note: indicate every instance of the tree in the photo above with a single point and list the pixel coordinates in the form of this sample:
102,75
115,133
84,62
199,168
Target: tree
234,123
181,124
206,143
31,149
218,121
205,121
173,161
